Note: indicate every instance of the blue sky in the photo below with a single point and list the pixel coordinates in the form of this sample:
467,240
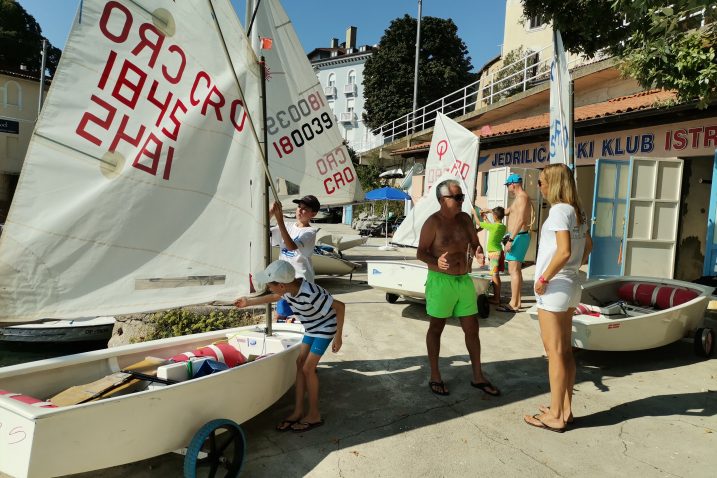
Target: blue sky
480,24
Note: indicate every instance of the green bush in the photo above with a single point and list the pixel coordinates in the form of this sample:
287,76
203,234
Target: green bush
176,322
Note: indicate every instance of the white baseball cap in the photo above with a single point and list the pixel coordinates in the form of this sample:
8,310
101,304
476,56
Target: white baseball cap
278,271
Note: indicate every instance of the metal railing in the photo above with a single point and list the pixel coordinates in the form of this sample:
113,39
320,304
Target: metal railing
529,70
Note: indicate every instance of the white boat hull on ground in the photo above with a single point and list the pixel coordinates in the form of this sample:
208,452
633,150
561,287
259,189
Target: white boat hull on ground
639,332
90,329
408,279
342,243
47,442
325,264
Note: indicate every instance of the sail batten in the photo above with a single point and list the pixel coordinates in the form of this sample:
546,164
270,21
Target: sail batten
140,186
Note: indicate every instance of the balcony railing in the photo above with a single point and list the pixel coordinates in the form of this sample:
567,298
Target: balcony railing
330,91
350,89
528,71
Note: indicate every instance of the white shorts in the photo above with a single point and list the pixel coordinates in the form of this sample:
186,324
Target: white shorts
561,294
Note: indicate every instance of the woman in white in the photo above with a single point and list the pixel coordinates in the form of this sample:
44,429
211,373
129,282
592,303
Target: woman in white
564,246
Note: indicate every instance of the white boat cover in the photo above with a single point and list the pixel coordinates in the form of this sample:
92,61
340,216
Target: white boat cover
140,189
453,155
307,154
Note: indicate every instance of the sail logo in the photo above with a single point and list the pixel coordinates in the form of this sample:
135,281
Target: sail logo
330,166
146,81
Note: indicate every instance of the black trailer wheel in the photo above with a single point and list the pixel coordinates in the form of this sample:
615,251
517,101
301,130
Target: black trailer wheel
391,298
704,342
483,306
216,450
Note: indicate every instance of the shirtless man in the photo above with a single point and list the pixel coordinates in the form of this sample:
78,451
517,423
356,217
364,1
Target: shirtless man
448,244
516,247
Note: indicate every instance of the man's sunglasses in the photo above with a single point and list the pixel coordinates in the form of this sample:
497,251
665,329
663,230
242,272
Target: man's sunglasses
456,197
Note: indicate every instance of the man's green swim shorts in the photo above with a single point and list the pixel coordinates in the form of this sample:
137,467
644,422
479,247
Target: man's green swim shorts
450,295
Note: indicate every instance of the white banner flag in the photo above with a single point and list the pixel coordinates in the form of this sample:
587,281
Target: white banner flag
453,155
561,115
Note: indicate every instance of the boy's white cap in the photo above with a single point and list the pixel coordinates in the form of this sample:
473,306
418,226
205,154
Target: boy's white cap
278,271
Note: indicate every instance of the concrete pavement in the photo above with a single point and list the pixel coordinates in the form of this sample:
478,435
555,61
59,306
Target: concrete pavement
649,413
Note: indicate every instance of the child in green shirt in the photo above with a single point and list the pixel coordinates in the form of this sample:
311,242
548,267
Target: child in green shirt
496,231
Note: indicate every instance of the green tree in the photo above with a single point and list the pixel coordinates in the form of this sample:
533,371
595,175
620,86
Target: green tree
444,66
668,44
367,173
21,41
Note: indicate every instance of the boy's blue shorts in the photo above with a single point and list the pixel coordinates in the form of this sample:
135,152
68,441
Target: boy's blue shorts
283,309
318,344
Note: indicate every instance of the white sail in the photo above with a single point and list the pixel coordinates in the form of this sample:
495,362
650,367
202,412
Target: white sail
561,115
142,182
453,155
307,154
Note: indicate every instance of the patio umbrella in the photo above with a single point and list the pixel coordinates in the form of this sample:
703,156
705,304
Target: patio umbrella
386,194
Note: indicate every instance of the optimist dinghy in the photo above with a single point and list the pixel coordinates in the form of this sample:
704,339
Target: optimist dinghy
408,279
143,189
638,313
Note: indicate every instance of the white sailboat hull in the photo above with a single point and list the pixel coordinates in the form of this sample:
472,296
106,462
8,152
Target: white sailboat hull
47,442
90,329
408,279
342,243
640,328
324,264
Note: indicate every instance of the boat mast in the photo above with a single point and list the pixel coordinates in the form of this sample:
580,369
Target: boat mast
267,183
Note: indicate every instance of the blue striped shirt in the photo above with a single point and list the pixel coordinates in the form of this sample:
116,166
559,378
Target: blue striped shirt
312,305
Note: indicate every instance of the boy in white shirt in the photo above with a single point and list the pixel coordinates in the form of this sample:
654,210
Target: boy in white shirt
296,242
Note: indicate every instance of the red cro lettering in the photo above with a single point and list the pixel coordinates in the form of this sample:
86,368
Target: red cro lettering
126,22
339,180
182,63
327,183
155,44
235,105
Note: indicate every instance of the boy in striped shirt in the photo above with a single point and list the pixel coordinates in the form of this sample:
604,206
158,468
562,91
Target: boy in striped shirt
323,319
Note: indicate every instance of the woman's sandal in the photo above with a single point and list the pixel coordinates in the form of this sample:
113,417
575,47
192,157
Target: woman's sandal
546,410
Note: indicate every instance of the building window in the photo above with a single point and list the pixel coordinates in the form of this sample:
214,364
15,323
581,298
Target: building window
536,21
352,77
350,103
11,94
332,80
331,106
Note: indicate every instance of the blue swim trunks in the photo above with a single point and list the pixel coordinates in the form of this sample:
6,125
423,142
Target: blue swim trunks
521,241
318,344
283,309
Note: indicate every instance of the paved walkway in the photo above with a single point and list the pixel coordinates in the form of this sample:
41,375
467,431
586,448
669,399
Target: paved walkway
649,413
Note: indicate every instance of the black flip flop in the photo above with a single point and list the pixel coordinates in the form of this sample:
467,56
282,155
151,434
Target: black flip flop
542,424
485,386
307,426
506,308
433,387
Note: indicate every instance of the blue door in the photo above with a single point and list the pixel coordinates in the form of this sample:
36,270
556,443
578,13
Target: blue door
608,221
711,249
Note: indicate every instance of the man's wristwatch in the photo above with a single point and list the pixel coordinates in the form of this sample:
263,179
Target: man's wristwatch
510,239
